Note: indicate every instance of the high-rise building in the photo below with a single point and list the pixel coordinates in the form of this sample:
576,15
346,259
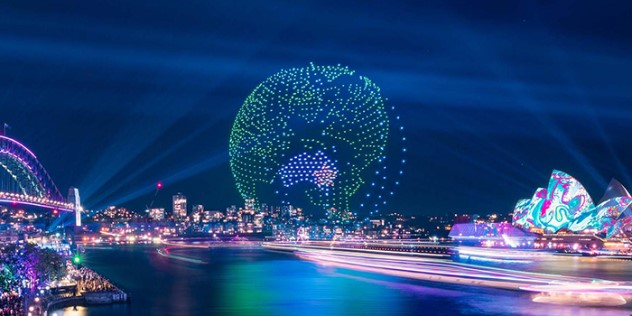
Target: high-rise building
179,206
213,216
157,214
197,212
231,213
249,204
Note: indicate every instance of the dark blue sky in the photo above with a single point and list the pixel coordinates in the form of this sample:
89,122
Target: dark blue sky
115,95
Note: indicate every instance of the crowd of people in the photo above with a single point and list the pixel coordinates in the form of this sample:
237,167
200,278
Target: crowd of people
90,281
11,304
26,268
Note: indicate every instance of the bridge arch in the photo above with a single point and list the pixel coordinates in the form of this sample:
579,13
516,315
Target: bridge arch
31,182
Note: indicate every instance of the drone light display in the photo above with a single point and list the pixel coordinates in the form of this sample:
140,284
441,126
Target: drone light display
315,135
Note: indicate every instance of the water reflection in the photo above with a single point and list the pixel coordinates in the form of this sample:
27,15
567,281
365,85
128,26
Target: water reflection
285,287
256,282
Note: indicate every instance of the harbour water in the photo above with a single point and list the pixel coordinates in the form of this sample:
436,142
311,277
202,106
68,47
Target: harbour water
253,281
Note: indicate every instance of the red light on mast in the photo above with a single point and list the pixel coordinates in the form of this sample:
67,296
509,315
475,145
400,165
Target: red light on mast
159,185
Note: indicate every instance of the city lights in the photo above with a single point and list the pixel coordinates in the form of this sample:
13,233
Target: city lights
302,157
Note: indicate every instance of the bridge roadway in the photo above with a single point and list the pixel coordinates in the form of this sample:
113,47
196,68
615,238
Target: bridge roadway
431,262
24,199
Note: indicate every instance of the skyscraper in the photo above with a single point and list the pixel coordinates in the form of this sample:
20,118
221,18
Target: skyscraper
197,212
157,214
179,206
250,204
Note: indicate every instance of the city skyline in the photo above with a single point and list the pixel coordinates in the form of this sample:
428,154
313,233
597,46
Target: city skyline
125,109
269,157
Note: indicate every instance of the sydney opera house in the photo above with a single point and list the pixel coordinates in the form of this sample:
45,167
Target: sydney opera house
564,207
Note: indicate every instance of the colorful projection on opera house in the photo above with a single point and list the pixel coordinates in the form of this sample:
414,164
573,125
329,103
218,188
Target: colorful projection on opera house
565,204
319,134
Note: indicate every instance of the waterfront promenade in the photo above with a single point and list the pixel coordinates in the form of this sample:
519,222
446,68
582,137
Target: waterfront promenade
86,288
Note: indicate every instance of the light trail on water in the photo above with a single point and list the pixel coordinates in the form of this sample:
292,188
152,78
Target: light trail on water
549,288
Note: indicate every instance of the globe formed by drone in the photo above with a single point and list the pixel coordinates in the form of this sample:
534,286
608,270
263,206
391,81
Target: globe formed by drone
316,134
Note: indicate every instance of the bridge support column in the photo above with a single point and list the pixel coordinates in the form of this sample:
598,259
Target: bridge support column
73,197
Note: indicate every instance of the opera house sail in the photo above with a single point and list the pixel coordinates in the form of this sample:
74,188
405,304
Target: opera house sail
565,205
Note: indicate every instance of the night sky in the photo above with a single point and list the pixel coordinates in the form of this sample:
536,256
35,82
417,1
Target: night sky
113,96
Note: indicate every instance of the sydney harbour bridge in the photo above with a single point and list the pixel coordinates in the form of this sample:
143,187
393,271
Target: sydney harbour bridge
24,181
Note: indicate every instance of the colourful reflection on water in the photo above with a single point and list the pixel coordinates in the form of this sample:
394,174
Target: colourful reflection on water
284,287
256,282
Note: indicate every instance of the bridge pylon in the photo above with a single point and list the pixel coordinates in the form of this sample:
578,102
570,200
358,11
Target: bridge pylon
73,197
